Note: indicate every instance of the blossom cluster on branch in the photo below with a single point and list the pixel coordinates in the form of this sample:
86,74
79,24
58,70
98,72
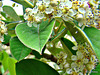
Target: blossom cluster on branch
86,12
80,64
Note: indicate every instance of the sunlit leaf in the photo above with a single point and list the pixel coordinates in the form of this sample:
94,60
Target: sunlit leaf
35,37
5,60
11,66
11,12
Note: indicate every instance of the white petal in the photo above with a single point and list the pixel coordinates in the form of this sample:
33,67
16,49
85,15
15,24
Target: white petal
85,60
74,57
79,16
74,47
35,10
66,65
69,4
49,10
79,55
46,1
73,65
80,73
81,10
69,71
29,24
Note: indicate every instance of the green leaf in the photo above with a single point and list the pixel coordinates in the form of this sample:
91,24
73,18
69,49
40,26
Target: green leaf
18,50
34,67
5,60
25,3
59,35
37,54
96,71
94,36
6,39
66,49
11,66
3,14
1,56
11,29
11,12
77,33
69,45
55,50
35,38
7,18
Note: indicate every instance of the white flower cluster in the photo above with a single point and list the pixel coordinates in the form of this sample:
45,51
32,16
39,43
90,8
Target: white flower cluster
86,12
80,64
3,31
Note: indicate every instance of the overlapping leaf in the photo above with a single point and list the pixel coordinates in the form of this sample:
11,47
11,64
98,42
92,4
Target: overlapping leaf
35,37
77,33
11,66
18,50
94,36
11,12
11,29
34,67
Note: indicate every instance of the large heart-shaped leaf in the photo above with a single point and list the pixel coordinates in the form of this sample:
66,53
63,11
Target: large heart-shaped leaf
94,35
11,12
35,37
34,67
18,50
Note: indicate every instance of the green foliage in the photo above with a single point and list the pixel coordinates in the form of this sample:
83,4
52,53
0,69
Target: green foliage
25,3
18,50
69,45
8,63
5,60
10,11
96,71
6,39
36,36
93,35
59,35
3,14
37,54
34,67
11,29
46,35
11,66
1,56
78,33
